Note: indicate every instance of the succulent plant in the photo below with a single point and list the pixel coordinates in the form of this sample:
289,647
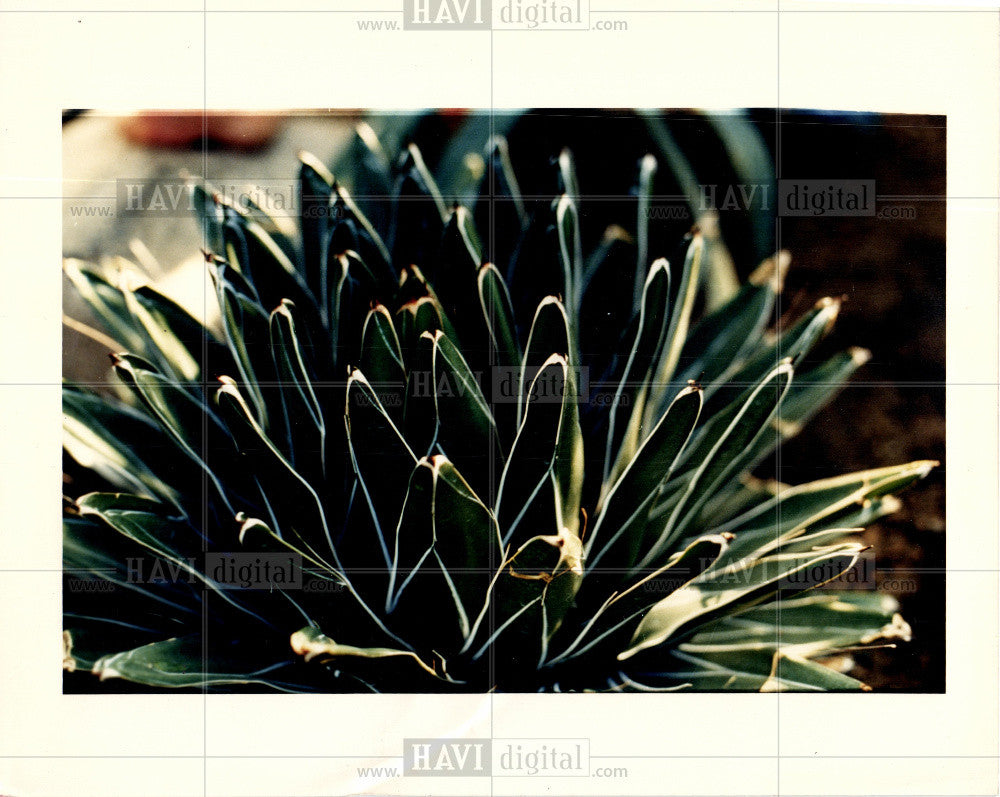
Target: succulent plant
495,462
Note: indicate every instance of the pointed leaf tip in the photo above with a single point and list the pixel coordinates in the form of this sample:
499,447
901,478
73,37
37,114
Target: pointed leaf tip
772,271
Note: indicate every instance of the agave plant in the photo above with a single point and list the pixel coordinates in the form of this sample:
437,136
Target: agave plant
505,466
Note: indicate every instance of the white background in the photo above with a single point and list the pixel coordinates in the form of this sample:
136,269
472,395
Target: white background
239,55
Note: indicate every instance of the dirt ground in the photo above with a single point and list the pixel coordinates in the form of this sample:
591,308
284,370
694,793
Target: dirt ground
892,271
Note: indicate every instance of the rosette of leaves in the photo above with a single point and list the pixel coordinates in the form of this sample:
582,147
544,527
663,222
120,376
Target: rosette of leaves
495,460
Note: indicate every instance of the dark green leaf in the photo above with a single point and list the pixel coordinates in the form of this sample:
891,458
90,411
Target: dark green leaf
381,356
628,409
570,251
680,318
550,334
303,415
792,344
447,548
623,513
500,206
607,630
644,190
296,507
373,666
382,461
499,314
721,462
145,522
420,213
247,334
529,597
173,663
724,337
465,431
543,478
718,592
351,291
120,444
807,504
185,418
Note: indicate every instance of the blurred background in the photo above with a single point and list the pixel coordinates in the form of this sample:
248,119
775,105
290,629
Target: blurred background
890,266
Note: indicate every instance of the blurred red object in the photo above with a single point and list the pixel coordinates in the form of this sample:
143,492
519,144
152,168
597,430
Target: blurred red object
237,129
